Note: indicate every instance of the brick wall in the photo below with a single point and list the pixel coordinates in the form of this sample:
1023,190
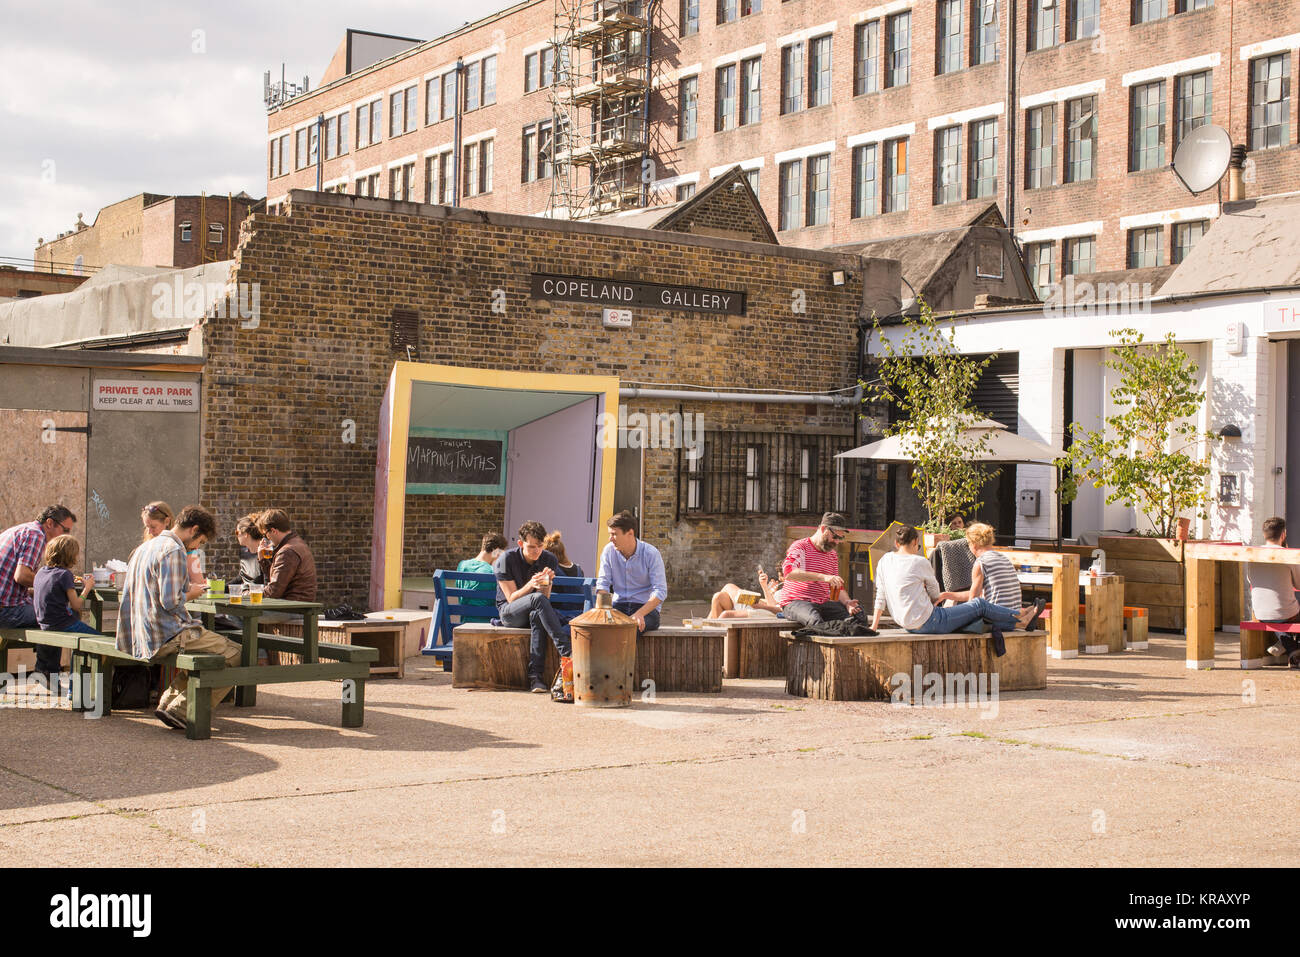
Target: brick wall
334,268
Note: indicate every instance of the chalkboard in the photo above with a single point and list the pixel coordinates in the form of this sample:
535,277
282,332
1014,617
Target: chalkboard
451,464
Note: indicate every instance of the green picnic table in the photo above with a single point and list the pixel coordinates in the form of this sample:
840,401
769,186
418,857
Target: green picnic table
344,661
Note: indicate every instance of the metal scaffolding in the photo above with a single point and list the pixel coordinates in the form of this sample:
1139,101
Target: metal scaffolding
602,80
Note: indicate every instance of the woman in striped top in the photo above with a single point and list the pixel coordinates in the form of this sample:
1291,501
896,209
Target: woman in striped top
993,576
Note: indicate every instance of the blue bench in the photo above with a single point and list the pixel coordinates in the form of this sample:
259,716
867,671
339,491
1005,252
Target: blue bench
447,614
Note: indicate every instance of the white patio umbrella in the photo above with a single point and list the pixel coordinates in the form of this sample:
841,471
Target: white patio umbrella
1000,446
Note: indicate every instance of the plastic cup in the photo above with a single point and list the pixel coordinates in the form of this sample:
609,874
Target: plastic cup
255,594
697,623
236,594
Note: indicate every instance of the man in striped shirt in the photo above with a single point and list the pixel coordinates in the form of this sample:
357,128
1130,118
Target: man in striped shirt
813,593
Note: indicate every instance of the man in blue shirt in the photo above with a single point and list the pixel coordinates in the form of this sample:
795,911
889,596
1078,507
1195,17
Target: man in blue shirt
634,571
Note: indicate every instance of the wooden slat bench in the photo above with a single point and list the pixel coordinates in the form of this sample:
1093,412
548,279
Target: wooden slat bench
1255,640
754,646
863,669
1136,620
495,658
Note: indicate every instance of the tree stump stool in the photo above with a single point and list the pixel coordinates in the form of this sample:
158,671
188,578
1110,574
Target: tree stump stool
680,659
899,666
485,658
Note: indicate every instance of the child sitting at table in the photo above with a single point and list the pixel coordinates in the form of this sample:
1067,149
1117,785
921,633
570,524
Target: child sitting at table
58,603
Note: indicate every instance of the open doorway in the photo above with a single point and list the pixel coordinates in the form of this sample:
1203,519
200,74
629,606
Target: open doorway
534,443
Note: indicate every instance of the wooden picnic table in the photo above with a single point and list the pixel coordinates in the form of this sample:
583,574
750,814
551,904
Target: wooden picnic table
1103,601
1199,561
208,606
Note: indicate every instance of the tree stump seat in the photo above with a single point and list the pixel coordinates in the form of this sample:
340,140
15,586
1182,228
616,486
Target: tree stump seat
485,657
868,669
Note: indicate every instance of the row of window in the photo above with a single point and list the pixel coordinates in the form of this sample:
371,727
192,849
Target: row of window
439,182
1081,19
216,233
1078,255
441,97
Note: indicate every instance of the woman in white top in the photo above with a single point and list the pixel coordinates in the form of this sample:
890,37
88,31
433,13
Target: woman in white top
905,584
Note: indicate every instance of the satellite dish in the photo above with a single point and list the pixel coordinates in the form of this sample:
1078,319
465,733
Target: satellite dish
1202,157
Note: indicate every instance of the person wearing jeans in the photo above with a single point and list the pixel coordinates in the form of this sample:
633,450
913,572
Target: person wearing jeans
905,584
524,575
633,571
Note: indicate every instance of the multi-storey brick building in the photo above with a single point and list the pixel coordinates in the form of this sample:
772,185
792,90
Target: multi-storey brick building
854,121
150,229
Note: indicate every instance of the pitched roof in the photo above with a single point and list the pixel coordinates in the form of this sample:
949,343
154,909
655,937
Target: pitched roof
924,256
727,207
1253,243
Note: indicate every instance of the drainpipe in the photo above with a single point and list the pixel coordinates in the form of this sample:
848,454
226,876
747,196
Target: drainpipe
455,163
320,149
1011,115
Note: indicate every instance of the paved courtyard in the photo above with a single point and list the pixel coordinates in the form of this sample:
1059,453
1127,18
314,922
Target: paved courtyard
1123,760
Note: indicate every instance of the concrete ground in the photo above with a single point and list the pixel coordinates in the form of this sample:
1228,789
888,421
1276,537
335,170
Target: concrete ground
1125,759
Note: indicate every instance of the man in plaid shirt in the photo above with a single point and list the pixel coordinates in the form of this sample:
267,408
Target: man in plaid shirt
21,551
152,621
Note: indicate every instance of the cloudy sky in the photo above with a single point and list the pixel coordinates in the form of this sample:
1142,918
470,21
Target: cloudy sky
103,100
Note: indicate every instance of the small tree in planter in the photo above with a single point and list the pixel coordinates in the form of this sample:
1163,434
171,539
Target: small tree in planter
931,383
1150,463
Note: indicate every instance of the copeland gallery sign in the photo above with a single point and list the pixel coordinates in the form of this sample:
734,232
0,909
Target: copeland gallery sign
625,294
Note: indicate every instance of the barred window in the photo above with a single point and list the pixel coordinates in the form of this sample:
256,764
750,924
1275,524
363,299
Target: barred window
771,473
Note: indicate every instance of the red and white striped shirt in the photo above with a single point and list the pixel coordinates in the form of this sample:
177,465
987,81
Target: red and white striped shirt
804,556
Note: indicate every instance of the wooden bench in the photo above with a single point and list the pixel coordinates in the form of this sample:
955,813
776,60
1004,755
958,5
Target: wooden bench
495,658
754,647
1254,640
446,587
386,637
1136,620
868,669
94,657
